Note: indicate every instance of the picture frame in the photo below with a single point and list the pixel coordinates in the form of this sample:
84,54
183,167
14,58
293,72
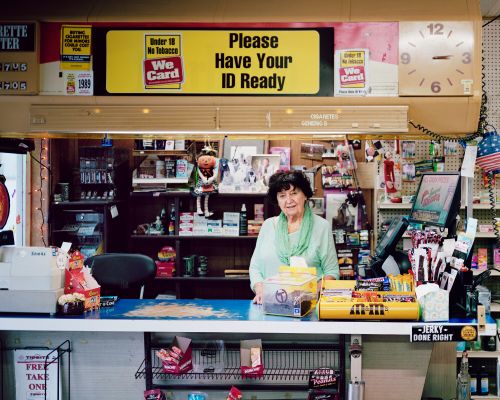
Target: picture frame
265,165
284,153
317,205
242,149
312,151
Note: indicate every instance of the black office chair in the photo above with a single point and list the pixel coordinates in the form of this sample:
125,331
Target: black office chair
122,274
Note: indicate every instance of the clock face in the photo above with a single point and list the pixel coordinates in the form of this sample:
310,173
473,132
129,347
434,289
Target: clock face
436,58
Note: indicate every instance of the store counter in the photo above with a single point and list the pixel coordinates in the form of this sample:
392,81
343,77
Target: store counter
108,345
218,316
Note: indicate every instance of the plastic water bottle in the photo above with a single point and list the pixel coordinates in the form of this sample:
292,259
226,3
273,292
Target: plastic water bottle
463,379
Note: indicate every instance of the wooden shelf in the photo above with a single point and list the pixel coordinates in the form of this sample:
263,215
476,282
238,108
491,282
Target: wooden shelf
89,203
144,153
163,237
480,354
186,193
488,397
485,206
160,181
407,206
395,206
485,235
494,307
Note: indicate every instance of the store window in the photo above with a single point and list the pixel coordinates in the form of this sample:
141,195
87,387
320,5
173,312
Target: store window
13,167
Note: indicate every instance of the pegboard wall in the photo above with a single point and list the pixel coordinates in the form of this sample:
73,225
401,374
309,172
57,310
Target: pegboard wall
452,163
491,62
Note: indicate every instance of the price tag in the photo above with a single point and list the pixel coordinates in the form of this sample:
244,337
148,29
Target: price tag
114,211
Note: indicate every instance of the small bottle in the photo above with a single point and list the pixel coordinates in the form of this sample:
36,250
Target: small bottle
484,381
473,384
171,228
463,379
243,220
163,219
173,214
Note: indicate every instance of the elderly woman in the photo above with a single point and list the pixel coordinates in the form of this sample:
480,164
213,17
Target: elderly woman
295,232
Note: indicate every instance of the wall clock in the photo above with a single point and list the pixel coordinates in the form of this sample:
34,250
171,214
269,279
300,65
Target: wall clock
436,58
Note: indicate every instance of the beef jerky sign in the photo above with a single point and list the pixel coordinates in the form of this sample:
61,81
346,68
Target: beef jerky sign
442,333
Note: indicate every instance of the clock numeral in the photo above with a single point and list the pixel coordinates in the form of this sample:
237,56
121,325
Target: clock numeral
436,87
435,29
405,58
466,58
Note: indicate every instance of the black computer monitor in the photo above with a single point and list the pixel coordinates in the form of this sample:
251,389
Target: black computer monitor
389,241
437,201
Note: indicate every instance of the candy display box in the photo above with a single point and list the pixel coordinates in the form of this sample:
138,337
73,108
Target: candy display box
291,293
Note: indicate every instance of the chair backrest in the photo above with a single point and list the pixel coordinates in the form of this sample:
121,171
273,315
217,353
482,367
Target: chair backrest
122,274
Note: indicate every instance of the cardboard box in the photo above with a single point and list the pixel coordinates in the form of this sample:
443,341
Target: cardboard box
291,293
186,362
165,269
249,368
81,281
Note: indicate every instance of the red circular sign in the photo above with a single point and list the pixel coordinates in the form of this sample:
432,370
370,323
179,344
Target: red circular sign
4,205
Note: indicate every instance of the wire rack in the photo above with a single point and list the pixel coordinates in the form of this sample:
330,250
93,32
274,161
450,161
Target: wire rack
285,366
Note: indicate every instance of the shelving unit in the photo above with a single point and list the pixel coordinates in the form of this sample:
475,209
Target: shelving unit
223,252
286,366
68,220
480,354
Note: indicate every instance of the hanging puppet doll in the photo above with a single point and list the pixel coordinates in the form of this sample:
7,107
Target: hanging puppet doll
206,178
391,185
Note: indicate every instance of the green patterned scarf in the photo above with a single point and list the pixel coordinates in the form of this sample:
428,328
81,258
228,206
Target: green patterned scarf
282,241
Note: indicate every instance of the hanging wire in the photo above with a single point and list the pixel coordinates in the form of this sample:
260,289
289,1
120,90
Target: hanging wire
41,192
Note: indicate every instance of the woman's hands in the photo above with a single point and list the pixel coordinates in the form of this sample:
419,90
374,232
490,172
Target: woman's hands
259,289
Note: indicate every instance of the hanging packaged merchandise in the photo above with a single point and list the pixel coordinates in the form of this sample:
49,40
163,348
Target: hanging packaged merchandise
488,153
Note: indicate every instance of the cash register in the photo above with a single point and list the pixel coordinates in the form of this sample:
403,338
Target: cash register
30,279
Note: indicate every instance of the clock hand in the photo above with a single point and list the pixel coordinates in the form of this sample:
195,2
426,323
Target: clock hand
442,57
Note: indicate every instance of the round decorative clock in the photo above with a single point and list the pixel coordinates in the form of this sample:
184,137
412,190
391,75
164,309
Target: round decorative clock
436,58
4,202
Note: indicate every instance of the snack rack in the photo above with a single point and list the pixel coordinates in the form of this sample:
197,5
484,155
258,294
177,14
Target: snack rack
286,366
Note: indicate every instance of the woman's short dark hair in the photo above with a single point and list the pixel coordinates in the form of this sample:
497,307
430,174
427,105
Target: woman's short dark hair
284,180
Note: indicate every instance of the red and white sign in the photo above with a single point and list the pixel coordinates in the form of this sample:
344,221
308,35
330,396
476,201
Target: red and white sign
352,75
161,71
32,379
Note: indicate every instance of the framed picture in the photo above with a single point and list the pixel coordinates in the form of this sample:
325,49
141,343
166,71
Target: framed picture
264,165
284,153
317,205
312,151
241,151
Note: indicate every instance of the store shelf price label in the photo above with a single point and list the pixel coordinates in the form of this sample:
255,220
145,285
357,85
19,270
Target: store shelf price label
442,333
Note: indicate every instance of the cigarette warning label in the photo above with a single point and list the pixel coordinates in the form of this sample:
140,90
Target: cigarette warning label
76,44
162,63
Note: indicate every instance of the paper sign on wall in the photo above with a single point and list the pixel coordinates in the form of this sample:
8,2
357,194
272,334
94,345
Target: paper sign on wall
31,377
78,83
75,47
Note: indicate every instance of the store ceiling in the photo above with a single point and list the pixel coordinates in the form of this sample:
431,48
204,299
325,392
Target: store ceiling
194,10
490,8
